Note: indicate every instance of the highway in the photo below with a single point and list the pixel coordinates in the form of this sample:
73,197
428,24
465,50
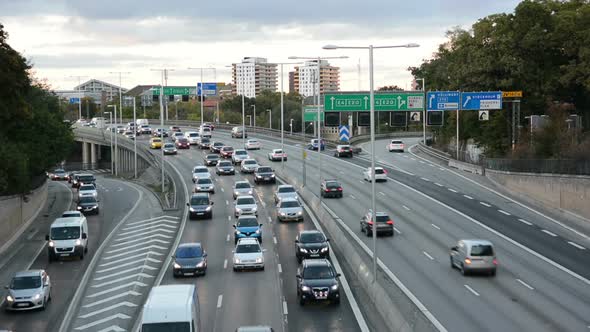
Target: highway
116,199
533,291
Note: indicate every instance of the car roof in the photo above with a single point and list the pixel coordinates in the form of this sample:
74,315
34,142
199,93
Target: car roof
310,231
284,186
190,245
259,328
246,216
342,145
263,166
84,174
200,167
289,199
240,150
474,242
245,196
72,212
316,262
241,181
28,273
195,195
247,240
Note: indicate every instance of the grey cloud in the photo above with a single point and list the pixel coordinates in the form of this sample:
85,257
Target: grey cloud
87,60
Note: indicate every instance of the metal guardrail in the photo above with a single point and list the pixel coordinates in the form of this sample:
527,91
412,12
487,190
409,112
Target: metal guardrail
547,166
434,152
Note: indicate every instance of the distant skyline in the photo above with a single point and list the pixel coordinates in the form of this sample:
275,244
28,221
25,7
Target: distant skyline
64,38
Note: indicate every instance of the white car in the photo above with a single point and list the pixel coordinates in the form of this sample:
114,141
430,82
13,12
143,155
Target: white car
29,290
205,131
193,137
248,165
87,190
200,172
380,174
396,145
239,155
248,255
277,154
252,144
245,205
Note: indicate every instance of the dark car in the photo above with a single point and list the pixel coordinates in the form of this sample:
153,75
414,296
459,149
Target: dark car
226,152
384,224
331,188
205,143
169,148
343,151
59,174
189,259
160,132
175,129
80,179
317,280
211,159
225,167
87,205
216,147
182,143
264,174
200,205
311,244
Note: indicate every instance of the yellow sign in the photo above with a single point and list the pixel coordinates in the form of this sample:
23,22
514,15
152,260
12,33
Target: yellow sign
304,154
511,94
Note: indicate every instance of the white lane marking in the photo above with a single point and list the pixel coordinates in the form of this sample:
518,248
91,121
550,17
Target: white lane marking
225,264
114,306
341,172
397,230
452,190
229,218
126,271
227,238
361,181
151,219
468,197
525,222
274,239
280,268
504,212
104,320
219,301
485,204
226,202
433,225
576,245
425,179
142,275
471,290
442,169
127,285
222,190
427,255
381,193
263,203
352,196
431,165
30,236
90,305
405,207
548,233
269,219
113,328
421,162
285,311
438,184
525,284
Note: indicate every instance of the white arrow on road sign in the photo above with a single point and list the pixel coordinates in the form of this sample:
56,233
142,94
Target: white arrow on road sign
332,100
467,99
366,99
430,100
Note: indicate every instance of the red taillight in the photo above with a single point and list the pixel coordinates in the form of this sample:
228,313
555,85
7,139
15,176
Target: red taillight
370,223
340,189
495,261
384,171
327,190
390,222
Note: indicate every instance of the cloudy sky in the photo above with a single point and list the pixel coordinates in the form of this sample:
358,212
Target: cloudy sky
65,38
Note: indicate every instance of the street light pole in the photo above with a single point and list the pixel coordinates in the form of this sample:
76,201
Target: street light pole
116,146
254,106
164,73
372,119
269,118
291,127
134,142
120,92
424,110
111,142
202,87
243,122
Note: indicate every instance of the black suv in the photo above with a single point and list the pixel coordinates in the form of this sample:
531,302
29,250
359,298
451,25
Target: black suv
331,188
200,205
264,174
87,205
343,151
211,159
216,147
311,244
80,179
317,280
384,224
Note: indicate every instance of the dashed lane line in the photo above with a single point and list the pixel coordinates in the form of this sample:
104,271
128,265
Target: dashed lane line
504,212
452,190
427,255
525,284
433,225
219,301
549,233
438,184
576,245
525,222
280,268
468,197
471,290
485,204
405,207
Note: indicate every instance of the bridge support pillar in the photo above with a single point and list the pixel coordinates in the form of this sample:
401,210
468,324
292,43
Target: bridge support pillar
93,155
85,154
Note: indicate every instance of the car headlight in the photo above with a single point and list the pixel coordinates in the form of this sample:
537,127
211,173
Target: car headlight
236,260
94,194
238,210
78,242
79,207
303,250
201,264
9,298
305,288
282,214
258,176
257,231
299,213
238,232
254,209
177,266
208,209
259,260
250,192
51,244
324,249
36,297
272,175
199,188
236,193
192,210
334,288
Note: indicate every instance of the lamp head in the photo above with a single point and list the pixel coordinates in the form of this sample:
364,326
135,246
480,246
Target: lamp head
412,45
330,47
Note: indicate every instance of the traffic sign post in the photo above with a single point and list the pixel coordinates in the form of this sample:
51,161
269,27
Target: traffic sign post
344,133
383,102
443,100
210,89
481,101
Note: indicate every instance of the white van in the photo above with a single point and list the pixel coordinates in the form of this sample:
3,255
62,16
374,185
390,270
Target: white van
193,137
171,308
68,236
140,122
99,122
205,131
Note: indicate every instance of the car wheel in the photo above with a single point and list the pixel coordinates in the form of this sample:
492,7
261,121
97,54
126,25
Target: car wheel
235,270
44,305
82,255
50,258
340,195
299,259
493,273
362,229
301,301
463,272
49,297
369,233
86,249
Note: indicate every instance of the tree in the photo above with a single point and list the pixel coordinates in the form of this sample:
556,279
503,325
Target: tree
390,88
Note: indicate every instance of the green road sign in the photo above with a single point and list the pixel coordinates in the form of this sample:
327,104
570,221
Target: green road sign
310,113
175,90
402,101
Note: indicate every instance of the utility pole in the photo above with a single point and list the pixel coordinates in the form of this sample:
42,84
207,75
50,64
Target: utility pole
164,73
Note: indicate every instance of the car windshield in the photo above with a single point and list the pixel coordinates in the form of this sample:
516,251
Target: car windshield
247,248
25,282
278,151
71,214
227,148
182,140
87,199
396,142
241,153
212,157
194,135
204,181
382,218
264,170
59,171
199,201
289,204
200,170
482,250
332,185
242,185
178,134
166,327
225,164
252,142
245,200
87,187
250,162
156,140
247,222
168,145
189,252
318,272
218,144
379,171
312,238
65,233
286,190
205,140
86,178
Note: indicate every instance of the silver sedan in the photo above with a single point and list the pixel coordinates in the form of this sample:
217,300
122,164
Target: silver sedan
289,209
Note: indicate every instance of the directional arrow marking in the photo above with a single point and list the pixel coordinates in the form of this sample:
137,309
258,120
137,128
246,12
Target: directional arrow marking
133,283
113,328
146,228
366,99
143,234
130,257
153,246
141,267
467,99
127,264
332,100
141,239
134,293
94,313
156,222
151,219
104,320
137,244
430,100
121,279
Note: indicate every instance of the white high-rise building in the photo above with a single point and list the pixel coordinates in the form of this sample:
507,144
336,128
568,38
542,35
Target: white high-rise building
305,78
253,75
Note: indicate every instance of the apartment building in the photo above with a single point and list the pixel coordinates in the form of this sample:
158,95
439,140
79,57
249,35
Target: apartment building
252,76
305,78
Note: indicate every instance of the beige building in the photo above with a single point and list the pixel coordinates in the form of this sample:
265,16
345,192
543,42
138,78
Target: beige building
252,76
98,86
304,78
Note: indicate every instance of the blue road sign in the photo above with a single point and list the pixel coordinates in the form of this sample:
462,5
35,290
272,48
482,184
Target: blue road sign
481,100
74,100
344,133
443,100
210,89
